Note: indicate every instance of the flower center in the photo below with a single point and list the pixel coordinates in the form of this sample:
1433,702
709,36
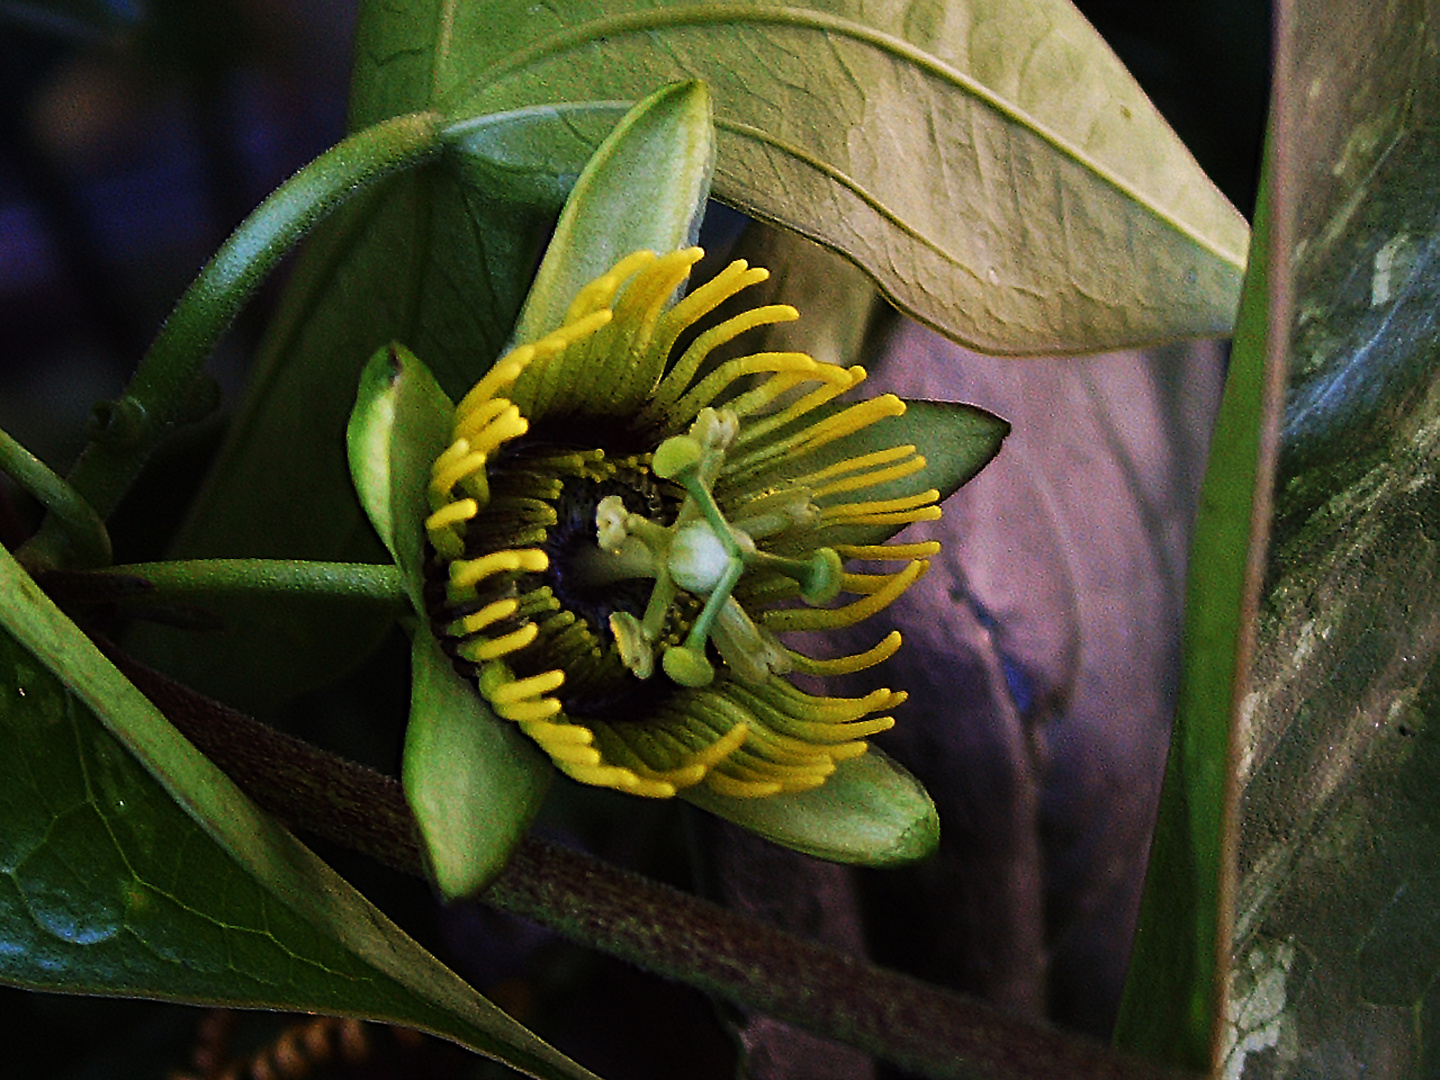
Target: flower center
631,558
544,498
705,555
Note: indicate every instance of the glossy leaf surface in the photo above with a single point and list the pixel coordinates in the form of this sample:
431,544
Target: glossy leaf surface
169,882
1338,939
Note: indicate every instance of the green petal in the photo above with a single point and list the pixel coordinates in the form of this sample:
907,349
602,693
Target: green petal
400,424
473,780
871,812
645,188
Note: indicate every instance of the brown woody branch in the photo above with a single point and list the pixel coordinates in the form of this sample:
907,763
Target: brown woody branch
920,1026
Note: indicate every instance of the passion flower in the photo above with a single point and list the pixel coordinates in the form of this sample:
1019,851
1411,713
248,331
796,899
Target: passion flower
622,528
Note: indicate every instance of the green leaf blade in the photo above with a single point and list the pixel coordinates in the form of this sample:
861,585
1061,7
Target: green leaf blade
935,145
169,883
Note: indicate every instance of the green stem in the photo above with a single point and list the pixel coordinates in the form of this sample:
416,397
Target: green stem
163,384
380,584
83,528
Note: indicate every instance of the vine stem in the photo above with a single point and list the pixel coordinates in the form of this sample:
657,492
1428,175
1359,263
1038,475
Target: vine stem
922,1027
162,391
85,528
376,583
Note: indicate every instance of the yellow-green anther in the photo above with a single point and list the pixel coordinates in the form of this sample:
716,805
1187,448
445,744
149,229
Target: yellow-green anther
637,652
677,454
819,575
688,666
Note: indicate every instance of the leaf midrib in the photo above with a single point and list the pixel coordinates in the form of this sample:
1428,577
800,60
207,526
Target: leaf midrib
700,15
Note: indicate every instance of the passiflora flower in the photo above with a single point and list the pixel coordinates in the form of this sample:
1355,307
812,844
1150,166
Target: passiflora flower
611,535
619,533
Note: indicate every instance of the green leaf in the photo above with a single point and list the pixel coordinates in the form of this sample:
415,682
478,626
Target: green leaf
993,166
870,812
1336,949
473,780
1175,987
169,882
401,423
644,189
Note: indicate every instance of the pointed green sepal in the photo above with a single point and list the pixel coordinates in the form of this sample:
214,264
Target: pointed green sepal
400,424
473,781
871,812
644,189
956,440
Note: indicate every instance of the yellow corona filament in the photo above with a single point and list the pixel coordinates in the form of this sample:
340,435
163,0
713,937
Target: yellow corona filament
864,584
455,513
482,650
464,573
529,712
870,479
450,468
922,549
855,464
477,621
756,431
486,429
887,647
709,388
596,296
848,615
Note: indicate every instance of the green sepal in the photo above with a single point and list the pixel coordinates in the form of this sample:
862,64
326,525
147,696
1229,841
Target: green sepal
956,440
399,426
644,189
473,780
870,812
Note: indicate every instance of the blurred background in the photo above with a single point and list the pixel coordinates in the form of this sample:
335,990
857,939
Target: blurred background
133,136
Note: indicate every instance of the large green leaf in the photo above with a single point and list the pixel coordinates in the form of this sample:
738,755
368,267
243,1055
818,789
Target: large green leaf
1337,946
169,882
991,164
